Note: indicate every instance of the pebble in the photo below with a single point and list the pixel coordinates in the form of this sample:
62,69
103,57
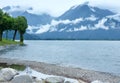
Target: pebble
54,80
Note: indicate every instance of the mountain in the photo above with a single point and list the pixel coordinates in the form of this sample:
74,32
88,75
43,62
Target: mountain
33,19
79,22
84,11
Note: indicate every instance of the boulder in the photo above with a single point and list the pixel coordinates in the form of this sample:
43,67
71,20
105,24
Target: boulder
54,80
67,82
97,81
6,74
22,79
39,80
2,79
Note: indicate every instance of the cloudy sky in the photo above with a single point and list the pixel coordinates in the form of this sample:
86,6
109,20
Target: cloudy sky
57,7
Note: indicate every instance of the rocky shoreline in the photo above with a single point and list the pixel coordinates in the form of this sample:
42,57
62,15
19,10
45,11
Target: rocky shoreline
10,75
77,73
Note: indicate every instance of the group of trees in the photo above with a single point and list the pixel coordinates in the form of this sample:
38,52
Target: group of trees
9,23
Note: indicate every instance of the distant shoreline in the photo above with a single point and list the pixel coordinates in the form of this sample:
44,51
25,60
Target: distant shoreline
77,73
75,39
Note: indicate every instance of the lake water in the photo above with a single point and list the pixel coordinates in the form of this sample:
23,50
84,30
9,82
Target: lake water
93,55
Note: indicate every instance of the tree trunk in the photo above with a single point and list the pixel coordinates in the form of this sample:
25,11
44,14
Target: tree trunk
14,35
1,33
21,37
6,34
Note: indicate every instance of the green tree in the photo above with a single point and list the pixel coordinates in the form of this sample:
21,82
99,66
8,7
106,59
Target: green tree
15,27
6,23
1,28
9,23
22,26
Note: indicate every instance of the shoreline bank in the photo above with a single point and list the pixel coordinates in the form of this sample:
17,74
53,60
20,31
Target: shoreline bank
77,73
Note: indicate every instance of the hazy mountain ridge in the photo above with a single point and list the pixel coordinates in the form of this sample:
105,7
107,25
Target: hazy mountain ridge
79,22
33,19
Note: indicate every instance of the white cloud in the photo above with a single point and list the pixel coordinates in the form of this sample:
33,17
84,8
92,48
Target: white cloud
113,5
116,17
77,20
52,26
54,7
43,28
30,29
80,29
91,18
101,24
55,22
62,29
19,8
57,7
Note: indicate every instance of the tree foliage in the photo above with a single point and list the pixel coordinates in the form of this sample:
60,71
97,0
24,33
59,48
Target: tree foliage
9,23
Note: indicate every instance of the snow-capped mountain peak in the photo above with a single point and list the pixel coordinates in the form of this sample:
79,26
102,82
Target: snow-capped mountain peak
79,22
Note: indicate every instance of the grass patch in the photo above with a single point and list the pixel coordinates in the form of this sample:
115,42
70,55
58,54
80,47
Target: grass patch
14,66
8,42
17,67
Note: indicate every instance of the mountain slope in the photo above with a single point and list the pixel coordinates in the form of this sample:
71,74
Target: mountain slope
79,22
33,19
84,11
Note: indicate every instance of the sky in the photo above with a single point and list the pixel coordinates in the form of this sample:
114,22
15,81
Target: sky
58,7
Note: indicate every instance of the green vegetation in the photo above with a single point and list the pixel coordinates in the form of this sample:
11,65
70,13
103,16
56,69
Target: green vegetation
14,66
9,23
17,67
8,42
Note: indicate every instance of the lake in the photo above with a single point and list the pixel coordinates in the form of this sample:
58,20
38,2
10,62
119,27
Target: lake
93,55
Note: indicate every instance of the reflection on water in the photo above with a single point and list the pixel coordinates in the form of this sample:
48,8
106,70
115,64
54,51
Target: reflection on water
5,49
93,55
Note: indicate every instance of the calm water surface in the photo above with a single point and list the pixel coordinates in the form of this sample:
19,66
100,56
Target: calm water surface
94,55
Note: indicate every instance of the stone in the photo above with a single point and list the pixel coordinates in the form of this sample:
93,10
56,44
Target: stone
67,82
1,79
22,79
81,81
97,81
39,80
54,80
6,74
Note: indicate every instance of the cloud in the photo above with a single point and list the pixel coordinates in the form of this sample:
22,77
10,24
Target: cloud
81,28
58,7
101,24
112,5
18,8
91,18
52,26
31,28
54,7
43,28
115,17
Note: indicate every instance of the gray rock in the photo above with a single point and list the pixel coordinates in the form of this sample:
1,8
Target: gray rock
67,82
39,80
22,79
2,79
97,81
6,74
54,80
